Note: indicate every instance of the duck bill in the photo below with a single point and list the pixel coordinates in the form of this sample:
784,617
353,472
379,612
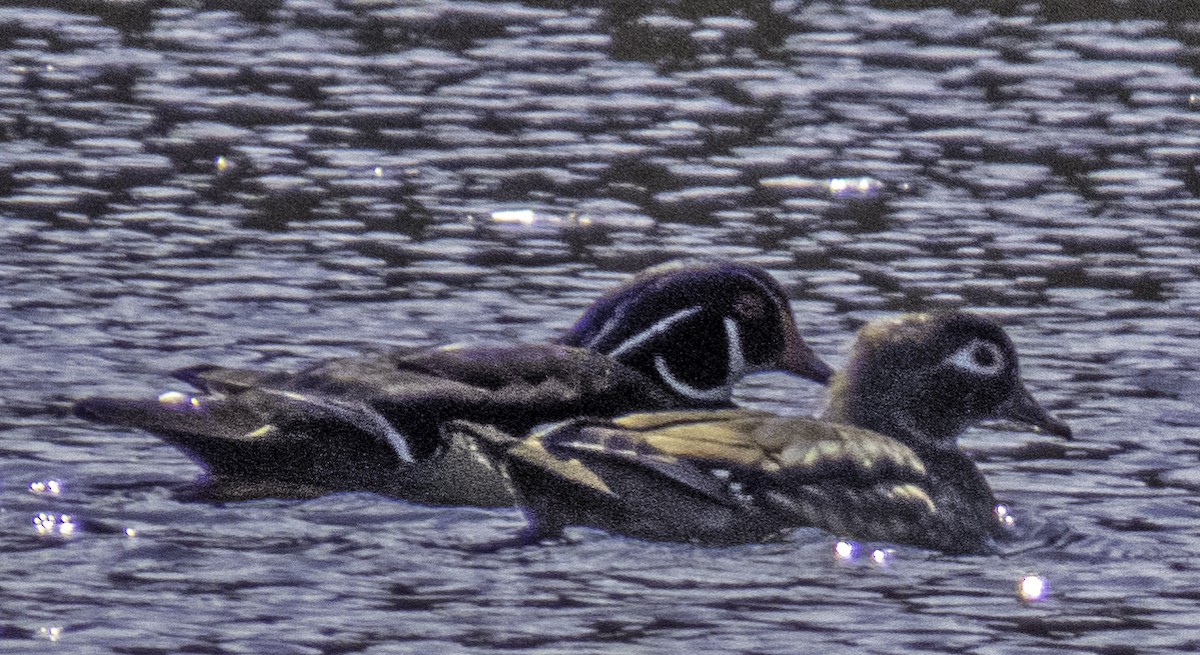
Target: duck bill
1021,407
799,359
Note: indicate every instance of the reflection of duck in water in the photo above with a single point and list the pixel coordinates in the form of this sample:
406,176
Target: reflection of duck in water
676,336
882,464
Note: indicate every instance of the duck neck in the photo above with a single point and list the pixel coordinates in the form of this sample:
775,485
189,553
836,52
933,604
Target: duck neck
920,428
923,428
927,428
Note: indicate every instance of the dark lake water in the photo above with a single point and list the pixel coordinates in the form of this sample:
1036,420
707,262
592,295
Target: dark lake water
185,182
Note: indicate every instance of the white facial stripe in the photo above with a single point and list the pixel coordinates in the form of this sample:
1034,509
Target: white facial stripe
965,358
608,326
716,394
737,360
783,310
654,330
734,372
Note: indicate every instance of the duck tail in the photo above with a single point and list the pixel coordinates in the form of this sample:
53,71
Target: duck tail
265,433
157,416
200,428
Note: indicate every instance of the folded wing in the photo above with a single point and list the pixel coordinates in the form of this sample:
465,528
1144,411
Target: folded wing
723,477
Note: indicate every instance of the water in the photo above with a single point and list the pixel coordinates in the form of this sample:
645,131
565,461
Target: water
191,182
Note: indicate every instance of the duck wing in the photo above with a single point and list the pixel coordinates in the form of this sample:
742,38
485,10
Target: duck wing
365,422
785,450
846,480
717,476
583,472
518,387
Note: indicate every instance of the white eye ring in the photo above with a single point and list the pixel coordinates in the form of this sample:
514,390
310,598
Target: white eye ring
979,357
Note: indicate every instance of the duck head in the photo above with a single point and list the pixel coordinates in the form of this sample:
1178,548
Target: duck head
699,326
924,378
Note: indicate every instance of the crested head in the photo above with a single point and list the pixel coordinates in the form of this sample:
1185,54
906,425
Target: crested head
699,326
924,378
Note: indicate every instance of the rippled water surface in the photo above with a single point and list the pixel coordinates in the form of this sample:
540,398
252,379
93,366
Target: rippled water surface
183,182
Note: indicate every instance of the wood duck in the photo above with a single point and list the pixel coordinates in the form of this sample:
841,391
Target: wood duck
882,463
698,327
677,335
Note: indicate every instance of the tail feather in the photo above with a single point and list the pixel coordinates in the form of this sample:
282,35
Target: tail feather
209,432
264,433
210,419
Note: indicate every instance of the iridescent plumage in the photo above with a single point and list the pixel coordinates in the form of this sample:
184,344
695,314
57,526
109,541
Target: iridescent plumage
372,422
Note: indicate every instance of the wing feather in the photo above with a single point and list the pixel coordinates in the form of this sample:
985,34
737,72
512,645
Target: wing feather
787,447
596,455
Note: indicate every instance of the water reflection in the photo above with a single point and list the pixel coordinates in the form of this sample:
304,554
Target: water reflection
846,551
46,487
54,524
1032,588
529,218
882,556
1004,516
844,188
200,188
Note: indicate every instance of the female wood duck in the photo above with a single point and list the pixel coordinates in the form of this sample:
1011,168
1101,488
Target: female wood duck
677,335
881,464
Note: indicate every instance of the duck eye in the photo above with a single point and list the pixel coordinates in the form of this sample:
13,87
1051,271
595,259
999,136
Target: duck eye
979,357
983,357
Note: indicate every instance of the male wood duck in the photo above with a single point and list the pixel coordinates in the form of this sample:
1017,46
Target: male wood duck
882,463
677,335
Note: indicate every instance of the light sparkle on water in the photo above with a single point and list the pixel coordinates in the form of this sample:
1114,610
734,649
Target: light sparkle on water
1032,588
46,487
1004,516
846,551
47,524
843,188
529,218
882,556
850,187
